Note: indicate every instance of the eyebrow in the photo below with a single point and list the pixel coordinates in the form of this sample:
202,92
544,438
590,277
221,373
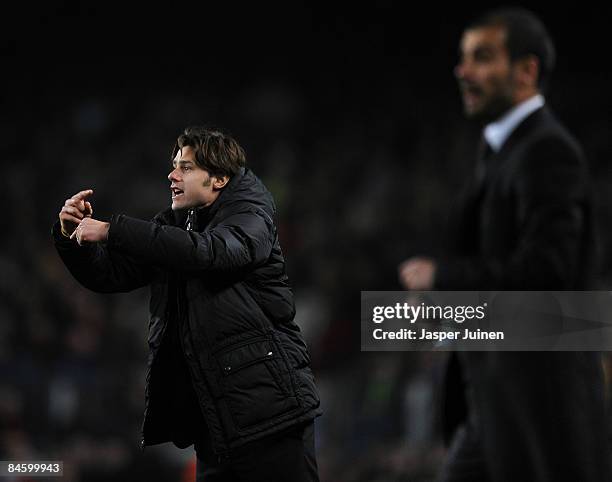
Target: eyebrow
182,161
478,51
485,48
479,48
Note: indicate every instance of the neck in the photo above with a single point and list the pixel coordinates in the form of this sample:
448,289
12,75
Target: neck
522,96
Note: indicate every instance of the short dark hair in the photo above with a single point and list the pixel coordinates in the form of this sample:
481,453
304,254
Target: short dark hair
215,151
525,35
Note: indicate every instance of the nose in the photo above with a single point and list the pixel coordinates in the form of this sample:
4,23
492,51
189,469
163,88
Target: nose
459,70
464,69
174,175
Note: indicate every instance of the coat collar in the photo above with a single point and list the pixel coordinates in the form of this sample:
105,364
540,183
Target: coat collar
496,133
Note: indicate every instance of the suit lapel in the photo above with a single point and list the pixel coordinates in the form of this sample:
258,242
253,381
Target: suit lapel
497,160
523,129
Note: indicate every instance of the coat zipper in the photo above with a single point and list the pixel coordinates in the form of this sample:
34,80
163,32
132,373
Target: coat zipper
190,224
190,220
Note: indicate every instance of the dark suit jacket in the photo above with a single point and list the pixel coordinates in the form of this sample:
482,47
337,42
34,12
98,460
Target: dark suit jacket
525,223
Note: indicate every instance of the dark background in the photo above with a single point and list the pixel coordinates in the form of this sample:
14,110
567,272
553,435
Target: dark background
352,118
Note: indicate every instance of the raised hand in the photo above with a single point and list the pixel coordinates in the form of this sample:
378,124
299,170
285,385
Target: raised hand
417,273
75,209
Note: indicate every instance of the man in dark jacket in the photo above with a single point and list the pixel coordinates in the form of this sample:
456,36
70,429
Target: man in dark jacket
524,223
228,369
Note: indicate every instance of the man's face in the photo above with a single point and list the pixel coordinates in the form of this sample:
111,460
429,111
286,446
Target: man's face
485,73
190,185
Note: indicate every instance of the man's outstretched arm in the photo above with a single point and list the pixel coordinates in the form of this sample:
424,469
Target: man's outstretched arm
242,240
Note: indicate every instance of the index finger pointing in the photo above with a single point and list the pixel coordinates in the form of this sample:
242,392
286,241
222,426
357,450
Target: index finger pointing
83,194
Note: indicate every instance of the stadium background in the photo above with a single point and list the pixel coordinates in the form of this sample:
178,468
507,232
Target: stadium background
351,117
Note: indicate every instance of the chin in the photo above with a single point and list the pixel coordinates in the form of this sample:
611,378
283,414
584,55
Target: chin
491,110
473,111
176,206
480,115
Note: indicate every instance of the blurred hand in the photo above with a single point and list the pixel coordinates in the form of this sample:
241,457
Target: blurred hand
74,210
90,230
417,273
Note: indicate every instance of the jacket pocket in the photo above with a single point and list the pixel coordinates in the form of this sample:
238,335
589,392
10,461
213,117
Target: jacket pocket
254,387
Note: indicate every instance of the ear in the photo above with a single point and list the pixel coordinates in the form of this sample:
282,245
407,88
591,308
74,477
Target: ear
220,182
527,70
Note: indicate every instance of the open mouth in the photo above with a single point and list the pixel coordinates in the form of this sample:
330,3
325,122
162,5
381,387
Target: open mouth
471,93
176,192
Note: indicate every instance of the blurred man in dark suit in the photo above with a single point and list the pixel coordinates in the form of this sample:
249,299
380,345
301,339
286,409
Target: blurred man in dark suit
523,223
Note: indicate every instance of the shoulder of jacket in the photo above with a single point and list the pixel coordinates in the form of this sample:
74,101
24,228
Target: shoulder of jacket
554,142
241,207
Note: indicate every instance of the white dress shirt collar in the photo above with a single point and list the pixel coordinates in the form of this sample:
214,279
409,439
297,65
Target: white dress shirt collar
496,133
